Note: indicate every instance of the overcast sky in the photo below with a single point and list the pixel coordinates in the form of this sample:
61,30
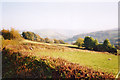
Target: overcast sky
92,16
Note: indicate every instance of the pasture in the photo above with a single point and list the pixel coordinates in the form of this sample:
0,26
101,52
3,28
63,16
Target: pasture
92,59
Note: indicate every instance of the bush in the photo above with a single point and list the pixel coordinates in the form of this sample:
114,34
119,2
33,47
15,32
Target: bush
108,47
89,43
79,42
95,44
112,49
47,40
6,34
56,41
100,47
10,35
9,42
61,42
32,36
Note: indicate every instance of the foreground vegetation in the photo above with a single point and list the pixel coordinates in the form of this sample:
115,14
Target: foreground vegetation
92,59
17,65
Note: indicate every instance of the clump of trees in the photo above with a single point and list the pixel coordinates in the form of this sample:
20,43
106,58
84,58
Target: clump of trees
93,44
47,40
56,41
10,34
35,37
32,36
59,41
79,42
90,43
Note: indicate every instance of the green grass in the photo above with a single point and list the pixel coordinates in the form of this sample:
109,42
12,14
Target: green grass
94,60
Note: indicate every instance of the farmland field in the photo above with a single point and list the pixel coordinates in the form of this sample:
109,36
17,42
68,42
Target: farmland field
96,60
61,55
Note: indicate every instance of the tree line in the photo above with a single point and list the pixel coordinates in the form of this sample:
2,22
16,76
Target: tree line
14,34
35,37
10,34
88,42
93,44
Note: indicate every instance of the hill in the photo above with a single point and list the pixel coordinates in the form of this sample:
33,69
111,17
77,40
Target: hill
112,35
52,34
57,33
98,62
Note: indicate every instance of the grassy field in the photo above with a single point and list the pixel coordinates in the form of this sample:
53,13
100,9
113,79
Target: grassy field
95,60
92,59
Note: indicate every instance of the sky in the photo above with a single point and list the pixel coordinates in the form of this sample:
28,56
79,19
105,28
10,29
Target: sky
89,16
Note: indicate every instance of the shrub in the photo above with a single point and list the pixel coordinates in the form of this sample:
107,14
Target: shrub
79,42
61,42
56,41
112,49
89,43
10,35
5,34
47,40
108,47
9,42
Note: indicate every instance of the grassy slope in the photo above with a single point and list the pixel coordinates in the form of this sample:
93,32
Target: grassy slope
95,60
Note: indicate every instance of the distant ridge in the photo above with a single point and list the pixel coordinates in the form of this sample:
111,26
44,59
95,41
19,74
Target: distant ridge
52,34
111,34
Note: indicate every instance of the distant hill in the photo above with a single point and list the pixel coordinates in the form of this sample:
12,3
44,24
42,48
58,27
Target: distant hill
56,33
52,34
112,35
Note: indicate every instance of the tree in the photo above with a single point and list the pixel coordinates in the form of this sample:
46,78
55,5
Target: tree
108,47
95,44
88,42
28,35
79,42
47,40
61,42
106,44
100,47
31,36
12,34
112,49
42,40
5,34
56,41
37,37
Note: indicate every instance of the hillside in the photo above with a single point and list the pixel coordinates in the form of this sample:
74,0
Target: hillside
57,33
112,35
98,61
52,34
31,59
